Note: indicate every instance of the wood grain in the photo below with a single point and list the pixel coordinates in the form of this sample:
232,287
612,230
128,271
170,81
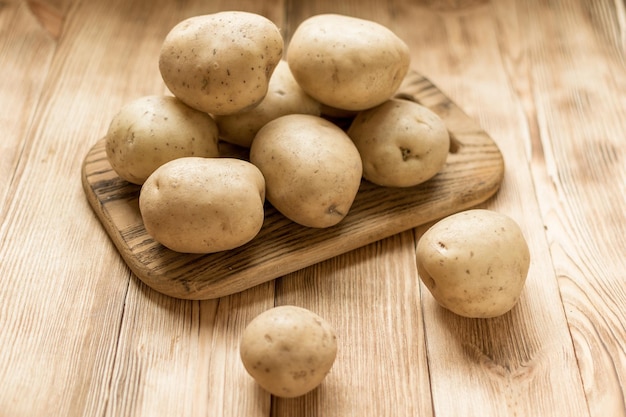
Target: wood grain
575,101
81,335
513,361
472,174
26,51
371,297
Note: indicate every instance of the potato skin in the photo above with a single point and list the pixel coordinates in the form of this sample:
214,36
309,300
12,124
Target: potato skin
288,350
152,130
284,96
221,63
203,205
402,143
474,263
347,63
311,167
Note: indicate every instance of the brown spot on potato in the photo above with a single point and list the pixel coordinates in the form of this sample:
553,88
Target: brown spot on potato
332,210
299,375
406,153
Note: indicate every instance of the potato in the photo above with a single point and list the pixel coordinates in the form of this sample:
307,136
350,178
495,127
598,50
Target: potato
474,263
221,63
288,350
401,143
203,205
153,130
311,167
346,62
284,97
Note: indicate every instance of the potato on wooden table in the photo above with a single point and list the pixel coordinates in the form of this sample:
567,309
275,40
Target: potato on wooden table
288,350
203,205
401,143
284,96
474,262
221,63
153,130
346,62
311,167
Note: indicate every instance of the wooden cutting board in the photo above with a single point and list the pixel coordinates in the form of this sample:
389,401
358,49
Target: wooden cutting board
473,173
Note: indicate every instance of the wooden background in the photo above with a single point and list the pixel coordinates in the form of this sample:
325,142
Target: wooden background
81,336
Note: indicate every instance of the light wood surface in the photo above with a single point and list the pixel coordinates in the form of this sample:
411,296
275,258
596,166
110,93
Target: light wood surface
81,335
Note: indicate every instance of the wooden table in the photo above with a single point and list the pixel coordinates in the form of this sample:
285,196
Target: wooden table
80,335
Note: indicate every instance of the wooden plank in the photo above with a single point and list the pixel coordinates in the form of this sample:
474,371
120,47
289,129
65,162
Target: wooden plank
61,312
26,49
181,358
522,363
574,100
371,297
44,334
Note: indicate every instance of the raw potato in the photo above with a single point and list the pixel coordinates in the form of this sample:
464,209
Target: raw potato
288,350
203,205
346,62
153,130
474,263
311,167
284,97
401,143
221,63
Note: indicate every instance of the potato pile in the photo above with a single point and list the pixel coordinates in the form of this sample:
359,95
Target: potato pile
232,83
